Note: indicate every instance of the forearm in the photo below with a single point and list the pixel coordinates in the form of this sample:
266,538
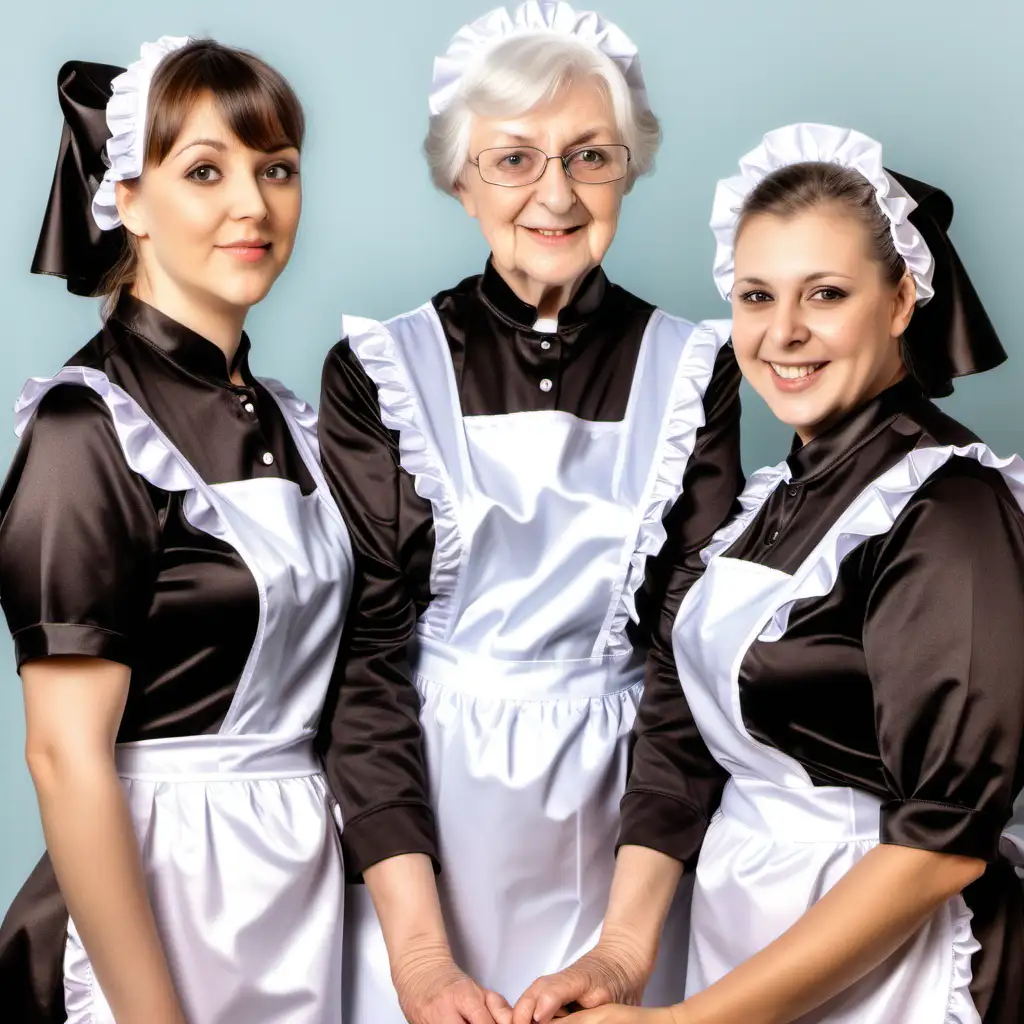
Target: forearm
854,927
95,856
404,894
643,887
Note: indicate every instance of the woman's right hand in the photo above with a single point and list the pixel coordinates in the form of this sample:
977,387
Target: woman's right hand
433,990
614,971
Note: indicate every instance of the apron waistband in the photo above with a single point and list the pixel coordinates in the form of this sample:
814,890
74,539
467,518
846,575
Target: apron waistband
211,758
812,814
572,679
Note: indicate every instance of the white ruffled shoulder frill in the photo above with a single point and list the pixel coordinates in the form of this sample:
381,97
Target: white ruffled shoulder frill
126,119
758,490
873,513
473,42
801,143
400,410
684,418
146,448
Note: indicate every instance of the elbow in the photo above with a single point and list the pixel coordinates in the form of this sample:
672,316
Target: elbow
53,763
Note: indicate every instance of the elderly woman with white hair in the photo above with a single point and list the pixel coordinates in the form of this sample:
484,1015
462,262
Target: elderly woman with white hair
530,432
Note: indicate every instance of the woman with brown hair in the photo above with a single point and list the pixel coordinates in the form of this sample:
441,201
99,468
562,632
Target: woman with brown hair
844,742
174,574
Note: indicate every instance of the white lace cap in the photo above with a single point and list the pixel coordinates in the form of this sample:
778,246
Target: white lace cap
126,119
801,143
473,42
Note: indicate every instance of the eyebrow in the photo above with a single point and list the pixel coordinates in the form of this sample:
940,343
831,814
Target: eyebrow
221,147
580,140
817,276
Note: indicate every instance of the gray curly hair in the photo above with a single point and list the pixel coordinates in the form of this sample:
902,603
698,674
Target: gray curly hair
521,73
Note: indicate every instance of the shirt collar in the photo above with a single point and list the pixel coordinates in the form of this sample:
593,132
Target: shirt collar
496,293
185,348
849,435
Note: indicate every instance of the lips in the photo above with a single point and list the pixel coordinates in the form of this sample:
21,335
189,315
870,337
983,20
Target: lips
250,250
553,232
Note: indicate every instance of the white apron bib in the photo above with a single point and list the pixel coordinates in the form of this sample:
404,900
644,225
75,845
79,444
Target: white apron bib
779,842
238,838
529,687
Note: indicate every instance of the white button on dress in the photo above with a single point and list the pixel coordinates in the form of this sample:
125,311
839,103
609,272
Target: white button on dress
545,384
268,459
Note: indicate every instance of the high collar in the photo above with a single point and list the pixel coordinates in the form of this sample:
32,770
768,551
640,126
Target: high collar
188,350
496,293
836,444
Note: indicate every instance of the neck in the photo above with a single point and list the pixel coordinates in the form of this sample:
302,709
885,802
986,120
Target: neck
219,323
548,299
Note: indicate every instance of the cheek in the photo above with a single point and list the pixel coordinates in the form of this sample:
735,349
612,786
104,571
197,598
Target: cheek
184,218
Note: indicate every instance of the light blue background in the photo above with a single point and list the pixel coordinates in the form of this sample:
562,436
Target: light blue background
940,82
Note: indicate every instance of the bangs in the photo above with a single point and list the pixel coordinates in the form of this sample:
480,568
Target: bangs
256,102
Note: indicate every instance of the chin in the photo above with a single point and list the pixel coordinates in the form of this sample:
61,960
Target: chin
243,293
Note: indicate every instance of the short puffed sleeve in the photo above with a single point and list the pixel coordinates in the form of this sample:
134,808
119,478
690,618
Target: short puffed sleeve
79,535
944,648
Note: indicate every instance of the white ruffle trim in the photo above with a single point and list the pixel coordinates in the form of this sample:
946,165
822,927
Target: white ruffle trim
757,491
400,410
470,45
873,513
146,449
800,143
683,419
126,119
961,1008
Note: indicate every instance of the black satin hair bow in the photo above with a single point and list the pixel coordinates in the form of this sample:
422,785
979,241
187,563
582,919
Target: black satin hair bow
71,245
950,336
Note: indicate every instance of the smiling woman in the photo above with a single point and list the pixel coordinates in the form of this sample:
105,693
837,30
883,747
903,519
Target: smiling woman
850,737
530,431
174,574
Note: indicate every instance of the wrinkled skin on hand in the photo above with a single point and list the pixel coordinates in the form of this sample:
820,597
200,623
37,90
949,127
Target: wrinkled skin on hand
433,990
615,971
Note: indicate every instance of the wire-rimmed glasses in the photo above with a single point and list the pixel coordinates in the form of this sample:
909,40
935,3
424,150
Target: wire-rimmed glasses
510,166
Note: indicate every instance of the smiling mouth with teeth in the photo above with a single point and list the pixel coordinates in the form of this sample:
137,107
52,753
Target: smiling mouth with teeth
554,232
796,372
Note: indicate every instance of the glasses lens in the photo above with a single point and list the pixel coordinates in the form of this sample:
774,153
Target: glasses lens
513,165
598,164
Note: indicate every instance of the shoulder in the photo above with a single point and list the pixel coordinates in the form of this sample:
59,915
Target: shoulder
466,290
964,514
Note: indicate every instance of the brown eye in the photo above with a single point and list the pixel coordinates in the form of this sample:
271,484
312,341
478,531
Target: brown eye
755,298
204,174
280,172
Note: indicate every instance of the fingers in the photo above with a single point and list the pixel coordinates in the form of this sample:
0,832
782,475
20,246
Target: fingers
498,1007
546,996
474,1007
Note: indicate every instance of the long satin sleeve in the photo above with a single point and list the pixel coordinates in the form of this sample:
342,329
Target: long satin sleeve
944,649
674,783
79,537
370,736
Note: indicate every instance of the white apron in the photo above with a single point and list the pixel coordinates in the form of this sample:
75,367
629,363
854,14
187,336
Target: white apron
529,687
238,838
779,842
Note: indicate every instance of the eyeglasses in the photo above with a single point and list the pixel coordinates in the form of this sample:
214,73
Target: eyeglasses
523,165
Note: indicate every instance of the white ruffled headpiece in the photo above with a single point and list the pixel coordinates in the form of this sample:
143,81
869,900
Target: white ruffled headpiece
471,44
126,119
801,143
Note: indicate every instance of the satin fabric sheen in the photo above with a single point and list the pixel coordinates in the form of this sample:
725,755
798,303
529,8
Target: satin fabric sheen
528,689
778,842
240,848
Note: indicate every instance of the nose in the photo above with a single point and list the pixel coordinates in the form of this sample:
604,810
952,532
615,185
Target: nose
787,328
247,201
554,188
